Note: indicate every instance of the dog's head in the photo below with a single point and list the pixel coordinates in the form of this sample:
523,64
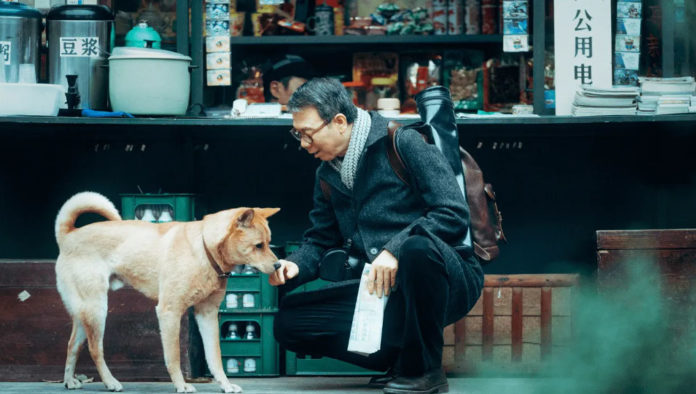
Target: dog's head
240,236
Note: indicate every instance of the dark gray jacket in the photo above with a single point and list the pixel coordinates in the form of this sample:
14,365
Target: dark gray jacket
382,211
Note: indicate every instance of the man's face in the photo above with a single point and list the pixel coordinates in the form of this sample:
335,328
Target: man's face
327,142
282,93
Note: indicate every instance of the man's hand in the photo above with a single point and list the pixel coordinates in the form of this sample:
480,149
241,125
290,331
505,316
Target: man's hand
287,270
382,276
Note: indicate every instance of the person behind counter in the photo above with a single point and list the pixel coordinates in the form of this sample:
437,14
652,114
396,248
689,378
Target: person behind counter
406,232
282,78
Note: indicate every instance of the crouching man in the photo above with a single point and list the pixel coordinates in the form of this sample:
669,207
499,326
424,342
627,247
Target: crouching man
405,231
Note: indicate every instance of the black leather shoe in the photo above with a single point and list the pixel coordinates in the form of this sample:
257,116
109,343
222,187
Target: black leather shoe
433,381
378,382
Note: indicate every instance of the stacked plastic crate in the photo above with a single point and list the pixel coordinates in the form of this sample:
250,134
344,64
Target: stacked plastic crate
246,325
158,208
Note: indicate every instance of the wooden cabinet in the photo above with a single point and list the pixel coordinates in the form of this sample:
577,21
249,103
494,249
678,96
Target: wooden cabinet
664,261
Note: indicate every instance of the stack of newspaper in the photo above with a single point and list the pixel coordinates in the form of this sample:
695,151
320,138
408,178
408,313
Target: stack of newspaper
666,95
614,100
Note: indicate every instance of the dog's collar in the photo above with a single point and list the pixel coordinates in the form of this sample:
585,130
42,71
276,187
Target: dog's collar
214,264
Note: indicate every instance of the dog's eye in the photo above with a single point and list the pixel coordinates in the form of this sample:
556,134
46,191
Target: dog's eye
259,246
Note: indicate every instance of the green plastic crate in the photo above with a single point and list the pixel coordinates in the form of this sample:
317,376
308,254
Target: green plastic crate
307,366
265,295
181,206
263,349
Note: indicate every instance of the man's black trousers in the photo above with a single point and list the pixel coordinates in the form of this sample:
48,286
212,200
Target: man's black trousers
414,318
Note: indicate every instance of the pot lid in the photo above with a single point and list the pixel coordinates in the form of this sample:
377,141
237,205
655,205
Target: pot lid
80,13
19,10
142,32
145,53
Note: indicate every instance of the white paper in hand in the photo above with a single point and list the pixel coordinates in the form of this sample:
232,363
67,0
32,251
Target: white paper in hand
366,330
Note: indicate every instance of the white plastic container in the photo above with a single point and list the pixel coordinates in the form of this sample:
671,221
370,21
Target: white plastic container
146,81
38,99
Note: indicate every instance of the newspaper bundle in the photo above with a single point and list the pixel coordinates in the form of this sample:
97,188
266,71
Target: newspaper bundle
366,330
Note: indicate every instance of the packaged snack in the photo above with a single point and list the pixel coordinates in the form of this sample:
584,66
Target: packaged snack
379,74
420,71
463,76
251,88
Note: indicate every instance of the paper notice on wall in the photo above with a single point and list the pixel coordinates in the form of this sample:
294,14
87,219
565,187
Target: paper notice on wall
366,330
515,26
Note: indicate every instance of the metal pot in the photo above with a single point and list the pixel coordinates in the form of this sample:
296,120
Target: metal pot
146,81
20,37
79,40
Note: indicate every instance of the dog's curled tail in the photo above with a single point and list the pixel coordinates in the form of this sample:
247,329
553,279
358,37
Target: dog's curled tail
79,204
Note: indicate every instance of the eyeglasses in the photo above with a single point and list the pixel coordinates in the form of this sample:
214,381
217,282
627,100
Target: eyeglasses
306,134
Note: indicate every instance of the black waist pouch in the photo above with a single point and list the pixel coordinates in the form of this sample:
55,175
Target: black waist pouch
337,265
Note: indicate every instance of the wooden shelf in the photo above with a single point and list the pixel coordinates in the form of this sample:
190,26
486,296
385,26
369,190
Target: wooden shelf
270,122
366,40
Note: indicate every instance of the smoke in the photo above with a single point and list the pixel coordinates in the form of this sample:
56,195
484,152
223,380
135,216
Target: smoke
633,333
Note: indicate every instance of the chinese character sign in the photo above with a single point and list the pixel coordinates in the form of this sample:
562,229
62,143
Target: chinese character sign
79,46
582,35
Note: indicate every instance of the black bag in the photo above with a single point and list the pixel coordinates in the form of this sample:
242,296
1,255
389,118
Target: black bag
337,265
439,127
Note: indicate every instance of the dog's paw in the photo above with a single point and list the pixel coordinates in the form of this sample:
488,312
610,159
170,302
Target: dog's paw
230,388
72,383
113,385
186,388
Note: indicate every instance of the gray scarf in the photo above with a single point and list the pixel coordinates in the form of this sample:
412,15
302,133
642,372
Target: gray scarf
348,166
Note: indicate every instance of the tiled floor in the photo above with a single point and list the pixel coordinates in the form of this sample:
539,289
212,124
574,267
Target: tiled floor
309,385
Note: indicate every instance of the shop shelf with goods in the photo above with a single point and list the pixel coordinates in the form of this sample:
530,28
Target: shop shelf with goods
332,55
301,364
247,344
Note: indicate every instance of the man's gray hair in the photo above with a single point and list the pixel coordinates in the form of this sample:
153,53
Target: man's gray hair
327,95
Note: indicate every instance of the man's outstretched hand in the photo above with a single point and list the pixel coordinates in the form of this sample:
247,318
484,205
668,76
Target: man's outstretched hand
287,270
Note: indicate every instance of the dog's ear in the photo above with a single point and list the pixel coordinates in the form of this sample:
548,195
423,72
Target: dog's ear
216,227
245,217
267,212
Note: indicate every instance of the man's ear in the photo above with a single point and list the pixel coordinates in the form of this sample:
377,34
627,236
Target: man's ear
275,87
341,121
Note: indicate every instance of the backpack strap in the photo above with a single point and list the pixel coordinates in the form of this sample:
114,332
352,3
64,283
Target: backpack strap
397,164
393,154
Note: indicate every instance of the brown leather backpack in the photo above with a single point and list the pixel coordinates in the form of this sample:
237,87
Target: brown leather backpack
486,220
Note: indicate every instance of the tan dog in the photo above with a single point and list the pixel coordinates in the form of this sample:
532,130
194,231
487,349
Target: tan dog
176,263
